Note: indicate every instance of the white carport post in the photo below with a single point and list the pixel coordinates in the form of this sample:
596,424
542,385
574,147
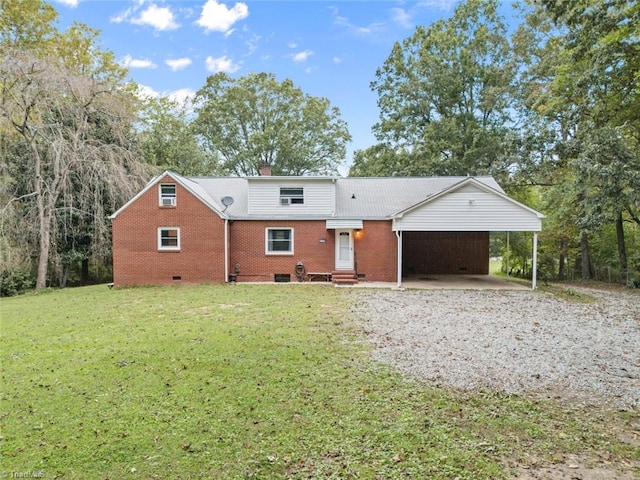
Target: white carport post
508,256
535,261
399,260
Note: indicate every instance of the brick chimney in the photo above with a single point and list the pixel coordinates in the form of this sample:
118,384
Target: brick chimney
265,170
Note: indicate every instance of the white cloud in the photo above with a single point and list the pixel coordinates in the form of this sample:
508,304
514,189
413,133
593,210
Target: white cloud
176,64
301,56
221,64
160,18
337,60
401,17
439,4
69,3
252,44
130,62
292,45
182,96
126,14
121,17
145,91
363,31
218,18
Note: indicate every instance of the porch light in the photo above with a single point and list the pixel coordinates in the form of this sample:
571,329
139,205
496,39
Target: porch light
358,234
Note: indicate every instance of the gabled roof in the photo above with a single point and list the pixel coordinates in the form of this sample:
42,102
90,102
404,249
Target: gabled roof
192,186
462,183
383,197
362,198
356,197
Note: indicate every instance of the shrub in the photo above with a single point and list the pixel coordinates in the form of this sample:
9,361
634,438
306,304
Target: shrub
633,283
14,282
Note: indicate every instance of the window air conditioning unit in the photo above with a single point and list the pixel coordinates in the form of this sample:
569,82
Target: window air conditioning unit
168,202
285,201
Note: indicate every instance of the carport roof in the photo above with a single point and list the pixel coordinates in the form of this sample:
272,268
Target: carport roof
383,197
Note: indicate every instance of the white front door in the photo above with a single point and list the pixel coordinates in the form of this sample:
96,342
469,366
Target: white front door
344,250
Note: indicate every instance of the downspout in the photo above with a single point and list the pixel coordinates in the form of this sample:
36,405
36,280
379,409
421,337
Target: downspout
226,250
399,260
535,261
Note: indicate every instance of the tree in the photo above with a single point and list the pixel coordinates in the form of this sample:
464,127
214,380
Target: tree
27,24
381,161
549,122
168,140
67,137
605,34
608,170
15,266
75,135
256,120
585,79
444,94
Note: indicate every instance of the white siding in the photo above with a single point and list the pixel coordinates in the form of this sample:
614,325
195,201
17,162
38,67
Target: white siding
264,197
470,209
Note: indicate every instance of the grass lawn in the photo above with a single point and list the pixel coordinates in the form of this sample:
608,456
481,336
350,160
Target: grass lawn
248,381
495,266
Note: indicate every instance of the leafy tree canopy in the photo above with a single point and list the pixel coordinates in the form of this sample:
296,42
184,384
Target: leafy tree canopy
29,25
69,153
444,93
168,140
256,120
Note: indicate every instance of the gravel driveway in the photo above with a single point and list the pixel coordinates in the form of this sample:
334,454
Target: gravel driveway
511,341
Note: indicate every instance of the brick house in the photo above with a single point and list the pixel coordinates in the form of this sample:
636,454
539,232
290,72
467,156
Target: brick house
268,228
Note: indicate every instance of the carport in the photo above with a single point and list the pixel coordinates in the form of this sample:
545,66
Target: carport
448,233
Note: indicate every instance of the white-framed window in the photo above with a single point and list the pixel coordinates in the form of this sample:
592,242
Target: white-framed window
168,238
291,196
279,241
167,194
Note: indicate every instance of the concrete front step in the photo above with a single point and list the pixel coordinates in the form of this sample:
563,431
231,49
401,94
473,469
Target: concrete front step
345,283
344,277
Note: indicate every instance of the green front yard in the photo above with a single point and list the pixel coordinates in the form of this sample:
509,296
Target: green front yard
247,381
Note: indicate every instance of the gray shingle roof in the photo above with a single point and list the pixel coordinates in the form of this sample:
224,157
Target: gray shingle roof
383,197
218,187
356,197
375,197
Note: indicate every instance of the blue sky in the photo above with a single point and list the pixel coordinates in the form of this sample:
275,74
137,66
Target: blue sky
327,48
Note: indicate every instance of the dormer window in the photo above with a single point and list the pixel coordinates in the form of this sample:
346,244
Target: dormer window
291,196
167,194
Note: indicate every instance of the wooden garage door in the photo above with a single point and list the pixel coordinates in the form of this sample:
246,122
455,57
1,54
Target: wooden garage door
445,253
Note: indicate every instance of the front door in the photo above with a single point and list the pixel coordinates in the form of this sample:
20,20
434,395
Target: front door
344,250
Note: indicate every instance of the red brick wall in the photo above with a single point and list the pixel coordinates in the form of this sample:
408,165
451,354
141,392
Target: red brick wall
375,250
136,259
247,247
